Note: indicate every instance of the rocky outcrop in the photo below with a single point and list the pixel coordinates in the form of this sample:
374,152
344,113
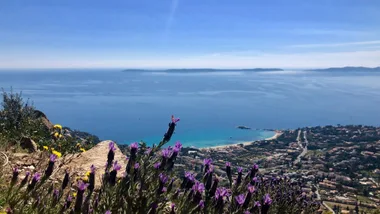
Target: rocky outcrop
28,144
79,164
39,114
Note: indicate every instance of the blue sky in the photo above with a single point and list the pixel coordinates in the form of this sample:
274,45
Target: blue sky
189,33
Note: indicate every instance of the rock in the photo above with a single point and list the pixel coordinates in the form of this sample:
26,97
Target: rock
39,114
28,144
243,127
79,164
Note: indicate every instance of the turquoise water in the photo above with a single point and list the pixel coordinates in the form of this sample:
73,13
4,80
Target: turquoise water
127,107
210,137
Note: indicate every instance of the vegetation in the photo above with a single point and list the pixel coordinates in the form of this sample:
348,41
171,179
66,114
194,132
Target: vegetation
150,183
19,120
150,186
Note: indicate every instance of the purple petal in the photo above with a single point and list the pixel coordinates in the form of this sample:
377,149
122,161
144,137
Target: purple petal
255,166
201,204
207,161
251,188
163,178
37,176
240,199
267,199
137,165
134,145
82,186
92,169
166,153
116,166
53,157
157,165
111,146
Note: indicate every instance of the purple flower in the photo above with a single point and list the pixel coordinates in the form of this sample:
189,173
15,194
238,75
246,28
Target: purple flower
157,165
116,166
69,198
255,179
53,157
174,120
176,150
56,193
256,204
178,145
189,176
267,199
16,170
82,186
207,161
137,166
163,178
108,212
256,167
36,176
247,212
92,169
240,169
198,187
134,146
251,188
201,204
111,146
221,192
166,153
240,199
228,164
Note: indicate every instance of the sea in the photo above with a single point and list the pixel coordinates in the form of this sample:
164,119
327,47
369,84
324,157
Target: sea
137,105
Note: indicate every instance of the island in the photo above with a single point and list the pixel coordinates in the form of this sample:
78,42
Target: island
183,70
243,127
347,69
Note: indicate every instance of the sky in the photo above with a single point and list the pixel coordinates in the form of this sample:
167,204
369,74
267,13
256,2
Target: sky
189,33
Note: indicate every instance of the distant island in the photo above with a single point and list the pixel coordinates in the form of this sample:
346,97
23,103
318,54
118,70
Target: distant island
197,70
203,70
348,69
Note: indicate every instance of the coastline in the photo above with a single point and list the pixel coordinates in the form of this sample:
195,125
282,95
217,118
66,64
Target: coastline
238,145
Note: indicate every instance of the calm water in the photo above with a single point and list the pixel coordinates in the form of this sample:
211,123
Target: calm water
127,107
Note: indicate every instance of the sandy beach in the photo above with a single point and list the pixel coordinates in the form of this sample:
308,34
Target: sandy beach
235,145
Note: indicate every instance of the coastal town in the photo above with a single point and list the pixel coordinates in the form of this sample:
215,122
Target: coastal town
337,165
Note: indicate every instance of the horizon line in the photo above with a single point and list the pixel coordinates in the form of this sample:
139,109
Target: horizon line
181,68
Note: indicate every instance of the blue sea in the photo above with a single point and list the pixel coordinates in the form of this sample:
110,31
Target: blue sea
134,106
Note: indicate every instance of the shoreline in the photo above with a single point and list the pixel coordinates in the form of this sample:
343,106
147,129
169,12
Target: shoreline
235,145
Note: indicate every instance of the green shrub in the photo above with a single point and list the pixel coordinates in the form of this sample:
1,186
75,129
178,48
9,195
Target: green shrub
18,119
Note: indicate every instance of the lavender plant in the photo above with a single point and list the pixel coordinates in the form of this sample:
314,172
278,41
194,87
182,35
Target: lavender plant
151,185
